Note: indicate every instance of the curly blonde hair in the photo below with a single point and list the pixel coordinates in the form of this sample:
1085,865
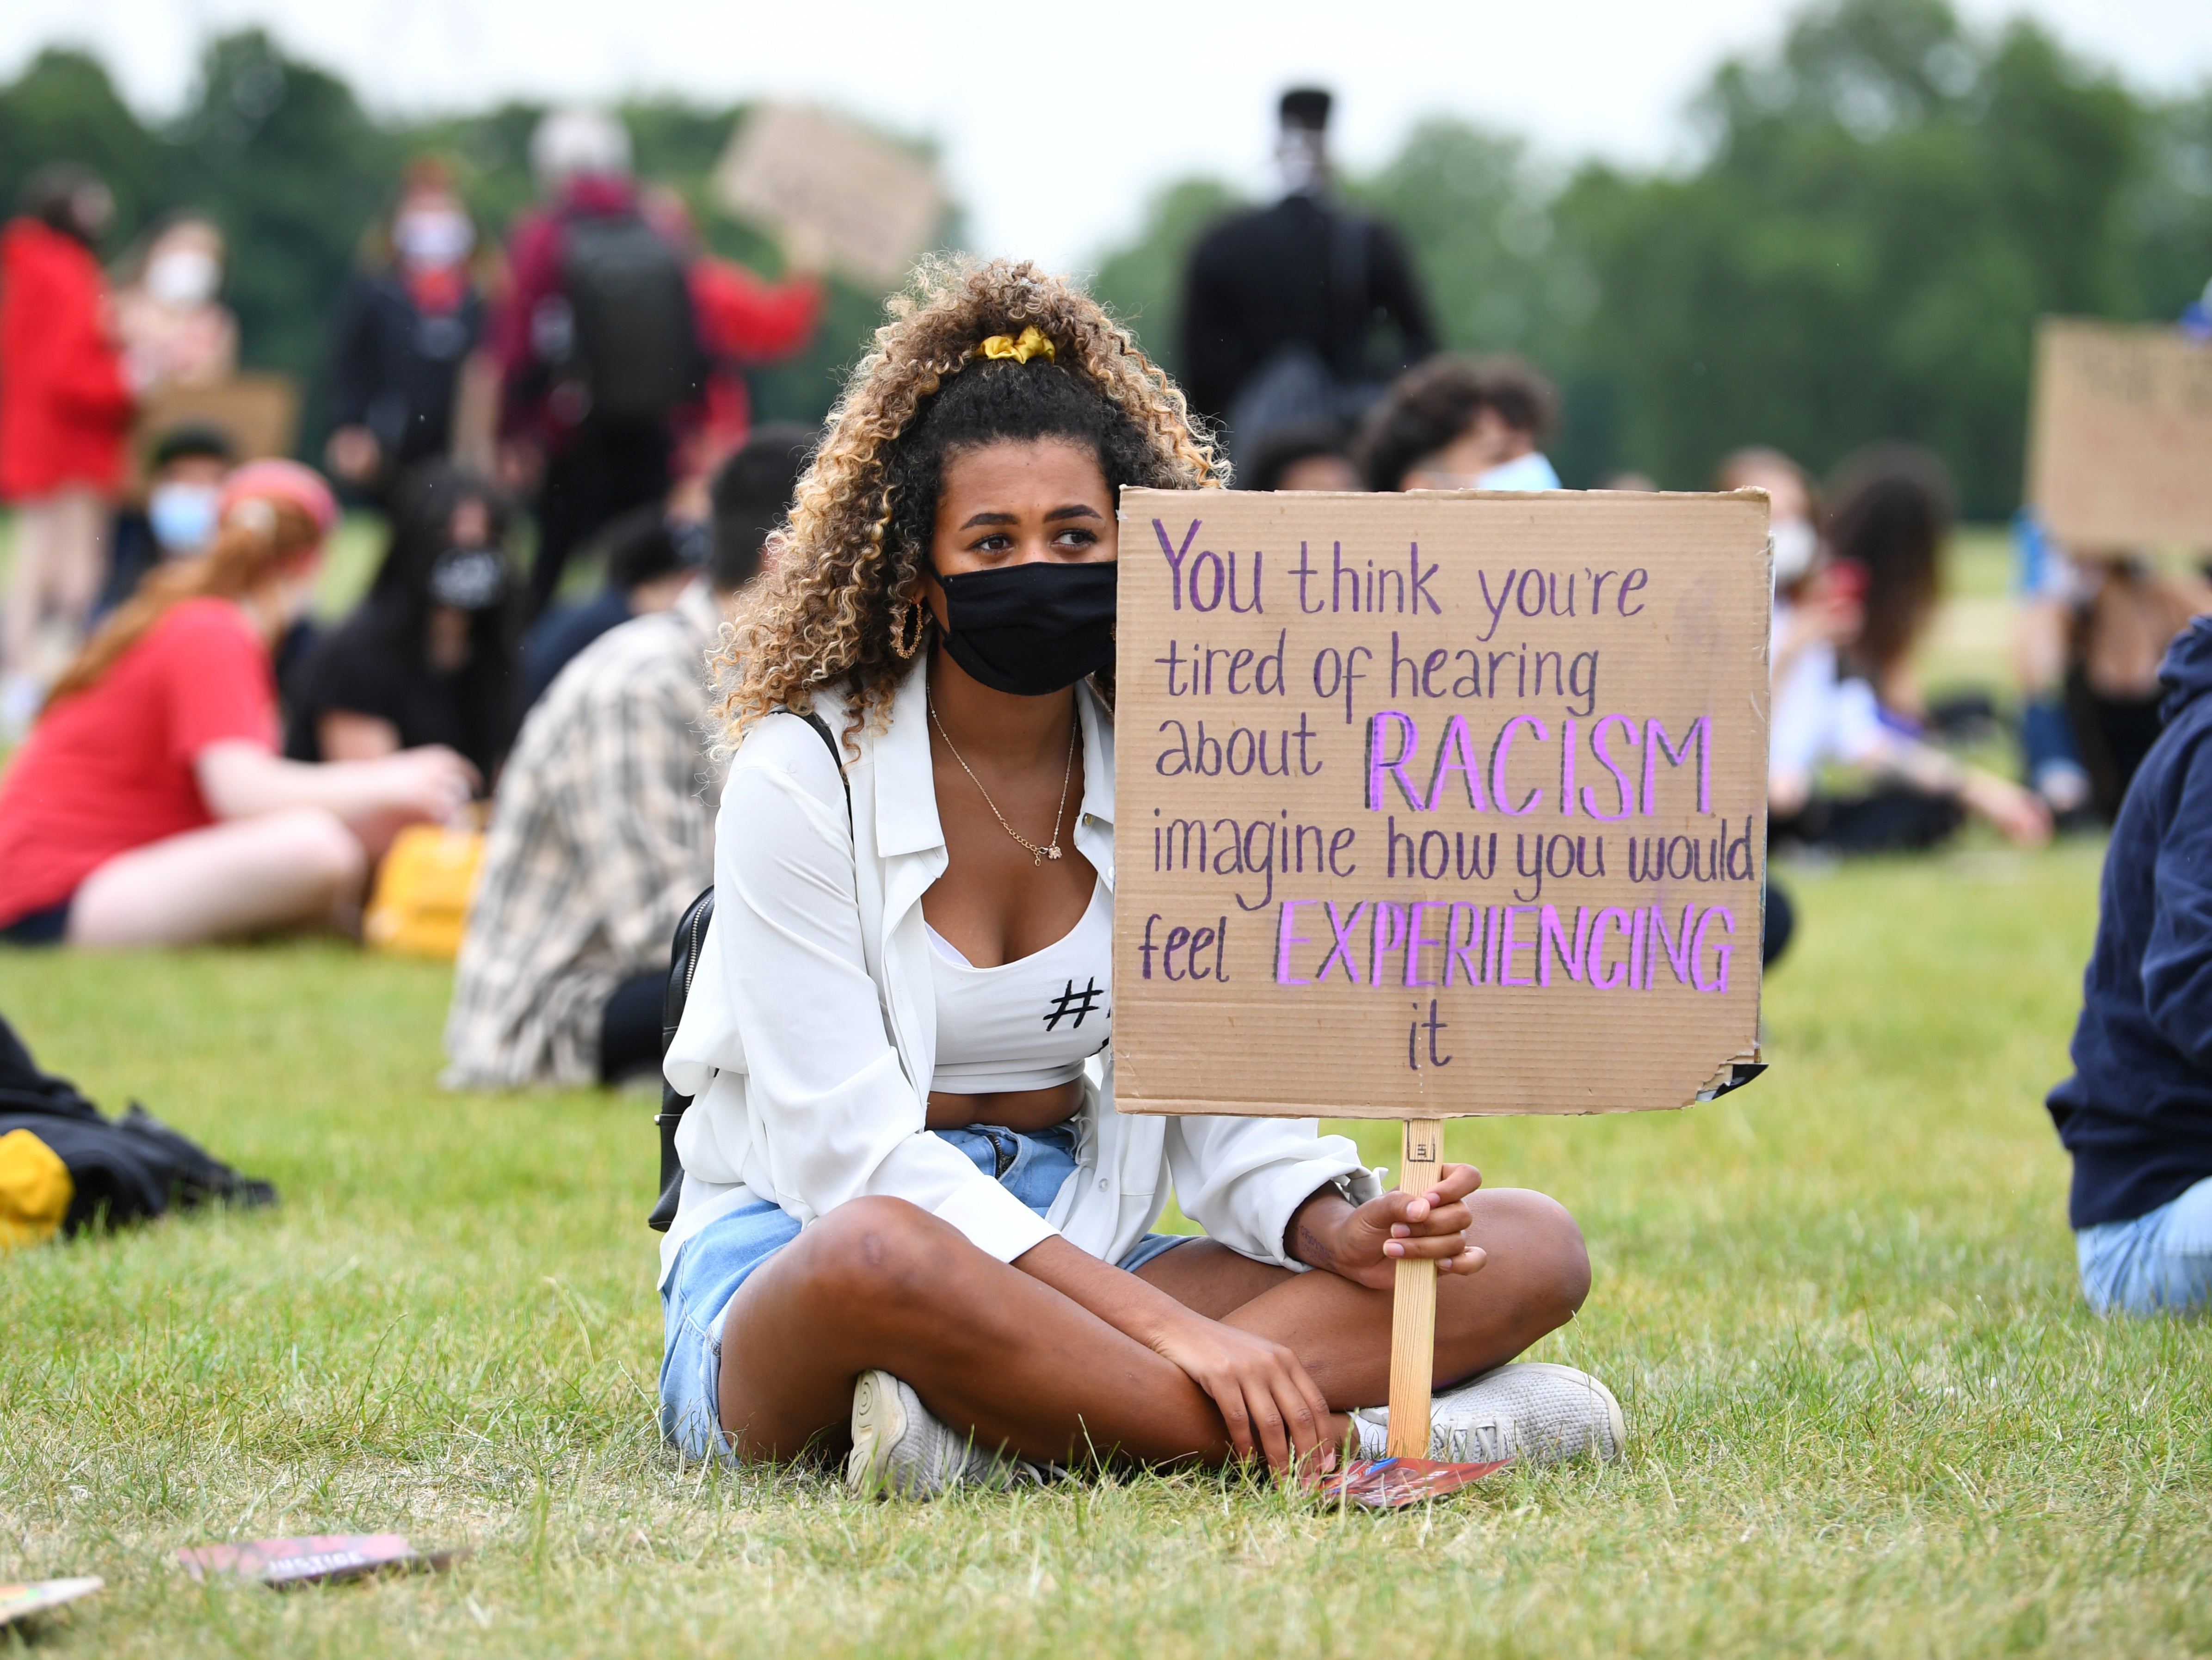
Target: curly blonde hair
835,610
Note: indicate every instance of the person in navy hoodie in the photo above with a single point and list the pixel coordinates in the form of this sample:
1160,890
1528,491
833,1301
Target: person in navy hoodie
2136,1115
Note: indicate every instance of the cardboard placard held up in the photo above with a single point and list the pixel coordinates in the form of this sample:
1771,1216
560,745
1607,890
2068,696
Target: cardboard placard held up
260,412
871,207
1436,804
2119,453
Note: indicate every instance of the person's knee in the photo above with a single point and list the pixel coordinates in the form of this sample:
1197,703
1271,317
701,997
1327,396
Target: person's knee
320,849
877,1253
1544,1248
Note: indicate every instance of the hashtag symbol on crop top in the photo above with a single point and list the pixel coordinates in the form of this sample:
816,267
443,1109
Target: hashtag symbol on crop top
1079,1003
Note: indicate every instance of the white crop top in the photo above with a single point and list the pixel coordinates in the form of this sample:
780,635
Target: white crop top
1029,1024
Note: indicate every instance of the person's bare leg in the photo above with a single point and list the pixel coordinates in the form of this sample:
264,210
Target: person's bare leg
1534,1280
878,1282
36,523
298,867
77,558
881,1283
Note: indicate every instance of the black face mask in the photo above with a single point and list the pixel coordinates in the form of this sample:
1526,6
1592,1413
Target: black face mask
1031,629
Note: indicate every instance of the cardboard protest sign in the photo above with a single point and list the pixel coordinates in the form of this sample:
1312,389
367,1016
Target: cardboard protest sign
1436,805
259,411
2119,453
871,207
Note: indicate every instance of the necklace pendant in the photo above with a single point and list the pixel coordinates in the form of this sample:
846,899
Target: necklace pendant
1052,852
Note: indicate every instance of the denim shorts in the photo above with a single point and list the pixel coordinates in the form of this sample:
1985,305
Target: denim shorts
2159,1263
721,1257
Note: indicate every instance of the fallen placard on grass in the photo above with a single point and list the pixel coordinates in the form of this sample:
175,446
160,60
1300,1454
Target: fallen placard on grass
311,1558
38,1596
1436,804
2119,449
1395,1483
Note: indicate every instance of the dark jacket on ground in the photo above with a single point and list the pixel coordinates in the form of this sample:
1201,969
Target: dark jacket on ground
1303,270
2136,1115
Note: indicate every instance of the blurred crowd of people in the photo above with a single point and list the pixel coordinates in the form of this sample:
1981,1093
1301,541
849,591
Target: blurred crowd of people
586,381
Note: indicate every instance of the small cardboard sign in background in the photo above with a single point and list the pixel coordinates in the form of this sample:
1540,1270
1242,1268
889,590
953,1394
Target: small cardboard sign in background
1437,804
2120,436
871,206
259,410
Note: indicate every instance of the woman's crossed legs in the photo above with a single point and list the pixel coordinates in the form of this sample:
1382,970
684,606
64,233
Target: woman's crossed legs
881,1283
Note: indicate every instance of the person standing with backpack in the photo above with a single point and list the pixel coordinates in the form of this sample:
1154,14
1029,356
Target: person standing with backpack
597,344
1283,306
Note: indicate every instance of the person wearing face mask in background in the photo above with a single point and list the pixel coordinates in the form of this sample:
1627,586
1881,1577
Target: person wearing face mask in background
175,330
431,655
149,807
604,830
405,326
185,472
66,398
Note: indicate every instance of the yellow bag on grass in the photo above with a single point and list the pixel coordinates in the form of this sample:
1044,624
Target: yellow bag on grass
421,905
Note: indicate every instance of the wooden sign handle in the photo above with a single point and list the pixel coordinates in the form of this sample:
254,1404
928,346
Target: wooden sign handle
1413,1304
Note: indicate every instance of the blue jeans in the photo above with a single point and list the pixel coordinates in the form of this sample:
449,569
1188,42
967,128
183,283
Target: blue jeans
2160,1263
721,1257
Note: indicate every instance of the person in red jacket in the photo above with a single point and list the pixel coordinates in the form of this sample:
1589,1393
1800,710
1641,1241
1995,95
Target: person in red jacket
65,407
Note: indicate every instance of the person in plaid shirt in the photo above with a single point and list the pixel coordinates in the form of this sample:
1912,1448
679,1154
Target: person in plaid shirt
604,829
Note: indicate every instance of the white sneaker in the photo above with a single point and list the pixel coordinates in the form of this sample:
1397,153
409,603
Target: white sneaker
1533,1410
898,1447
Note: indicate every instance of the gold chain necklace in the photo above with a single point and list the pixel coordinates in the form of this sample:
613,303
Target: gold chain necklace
1037,854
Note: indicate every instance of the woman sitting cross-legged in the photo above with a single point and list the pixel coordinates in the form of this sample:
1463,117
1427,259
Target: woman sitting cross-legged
149,807
908,1202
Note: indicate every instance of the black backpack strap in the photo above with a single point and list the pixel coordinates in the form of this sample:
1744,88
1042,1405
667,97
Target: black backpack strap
836,760
682,967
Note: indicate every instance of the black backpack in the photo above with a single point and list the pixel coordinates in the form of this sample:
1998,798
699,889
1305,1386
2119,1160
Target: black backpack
682,967
121,1169
635,342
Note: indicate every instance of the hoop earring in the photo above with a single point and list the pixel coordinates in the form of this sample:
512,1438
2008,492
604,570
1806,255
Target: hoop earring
906,648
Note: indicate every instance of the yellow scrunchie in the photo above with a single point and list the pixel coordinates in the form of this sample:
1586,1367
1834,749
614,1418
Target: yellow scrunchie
1032,343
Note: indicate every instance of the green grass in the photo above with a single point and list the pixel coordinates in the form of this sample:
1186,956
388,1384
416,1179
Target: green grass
1870,1415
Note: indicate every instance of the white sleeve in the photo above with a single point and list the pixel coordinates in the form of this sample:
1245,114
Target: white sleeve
1241,1179
835,1114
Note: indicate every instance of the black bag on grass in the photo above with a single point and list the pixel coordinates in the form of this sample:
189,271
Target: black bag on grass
120,1169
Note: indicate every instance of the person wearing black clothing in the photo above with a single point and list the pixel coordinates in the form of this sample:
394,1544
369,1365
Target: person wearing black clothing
431,656
1280,305
2136,1115
405,324
650,559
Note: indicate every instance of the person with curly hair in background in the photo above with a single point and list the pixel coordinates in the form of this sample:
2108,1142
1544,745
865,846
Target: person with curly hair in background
897,1114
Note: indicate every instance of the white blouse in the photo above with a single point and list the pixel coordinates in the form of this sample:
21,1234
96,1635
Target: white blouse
809,1037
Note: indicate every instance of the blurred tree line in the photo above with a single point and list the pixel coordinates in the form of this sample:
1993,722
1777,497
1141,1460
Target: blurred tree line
1884,207
282,156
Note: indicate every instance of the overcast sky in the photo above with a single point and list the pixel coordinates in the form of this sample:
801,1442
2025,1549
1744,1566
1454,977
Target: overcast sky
1057,120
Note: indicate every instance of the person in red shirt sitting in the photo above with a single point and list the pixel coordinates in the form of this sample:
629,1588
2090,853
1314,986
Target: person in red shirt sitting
149,805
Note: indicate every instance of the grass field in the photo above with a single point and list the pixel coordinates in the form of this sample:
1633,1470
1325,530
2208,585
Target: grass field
1869,1415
